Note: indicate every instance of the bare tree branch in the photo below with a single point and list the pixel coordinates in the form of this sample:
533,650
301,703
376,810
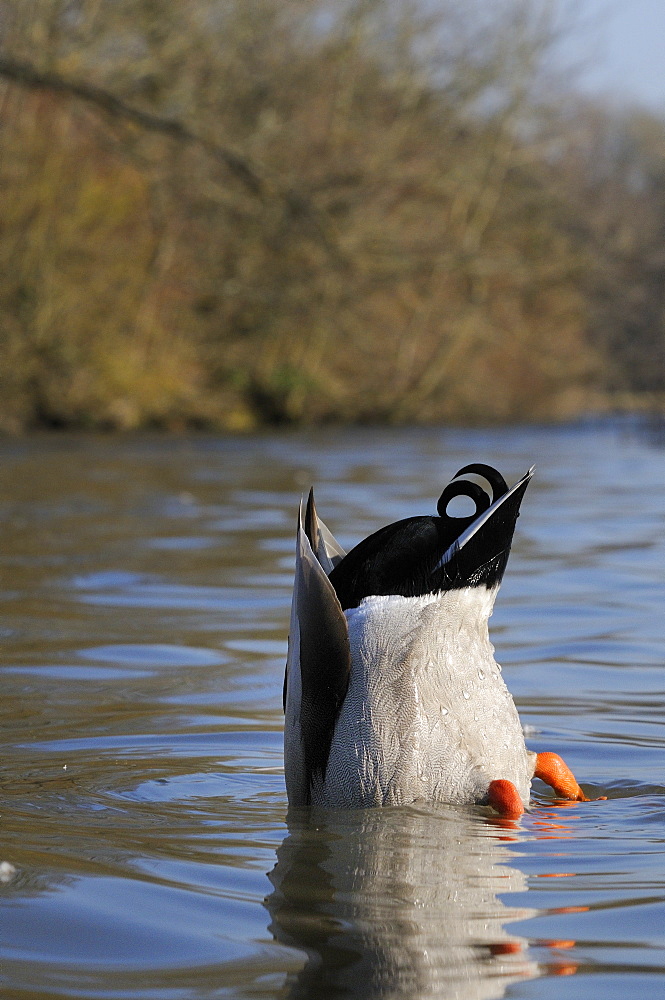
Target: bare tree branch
297,206
26,75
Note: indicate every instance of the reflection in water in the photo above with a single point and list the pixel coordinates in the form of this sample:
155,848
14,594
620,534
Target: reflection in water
145,591
400,902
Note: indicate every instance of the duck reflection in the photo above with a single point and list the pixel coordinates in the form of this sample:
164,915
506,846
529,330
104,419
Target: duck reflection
400,902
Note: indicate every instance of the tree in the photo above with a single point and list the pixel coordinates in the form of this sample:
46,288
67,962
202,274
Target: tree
298,210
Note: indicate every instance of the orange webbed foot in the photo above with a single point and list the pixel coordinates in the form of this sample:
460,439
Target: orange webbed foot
504,797
551,769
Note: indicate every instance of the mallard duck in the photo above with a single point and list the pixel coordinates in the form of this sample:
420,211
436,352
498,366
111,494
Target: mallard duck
392,693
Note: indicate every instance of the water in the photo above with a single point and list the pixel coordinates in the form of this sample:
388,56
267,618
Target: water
145,597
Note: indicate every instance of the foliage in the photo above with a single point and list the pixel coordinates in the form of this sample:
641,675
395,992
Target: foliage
367,211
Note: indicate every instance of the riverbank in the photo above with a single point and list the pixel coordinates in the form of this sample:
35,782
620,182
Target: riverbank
300,218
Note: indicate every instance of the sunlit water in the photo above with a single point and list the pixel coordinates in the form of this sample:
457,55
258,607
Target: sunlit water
146,588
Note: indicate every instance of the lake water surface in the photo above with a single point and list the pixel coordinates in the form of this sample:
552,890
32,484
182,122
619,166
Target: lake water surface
145,599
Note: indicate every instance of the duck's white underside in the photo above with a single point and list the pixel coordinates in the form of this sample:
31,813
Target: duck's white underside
427,716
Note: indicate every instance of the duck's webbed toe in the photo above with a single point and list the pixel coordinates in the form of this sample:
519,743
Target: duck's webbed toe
503,796
554,771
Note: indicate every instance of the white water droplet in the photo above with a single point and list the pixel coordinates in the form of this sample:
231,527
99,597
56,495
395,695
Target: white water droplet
466,695
481,675
443,711
7,871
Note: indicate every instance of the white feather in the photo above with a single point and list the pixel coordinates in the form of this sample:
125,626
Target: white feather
427,716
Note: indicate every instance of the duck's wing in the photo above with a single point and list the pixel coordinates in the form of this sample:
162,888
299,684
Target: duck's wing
325,546
318,651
